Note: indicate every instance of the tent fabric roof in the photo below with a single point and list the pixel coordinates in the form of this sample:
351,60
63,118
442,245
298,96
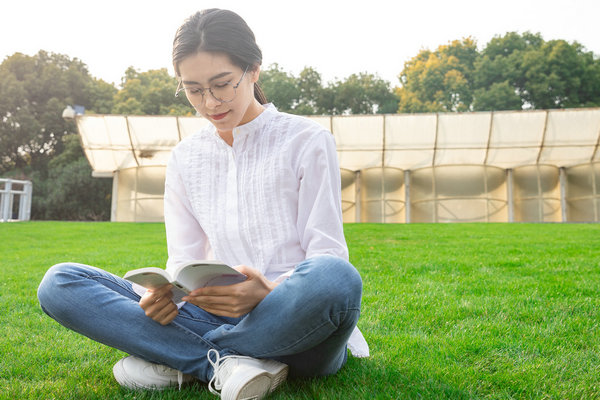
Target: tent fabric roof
505,139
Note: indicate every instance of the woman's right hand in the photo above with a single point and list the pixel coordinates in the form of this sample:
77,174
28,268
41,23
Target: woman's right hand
157,304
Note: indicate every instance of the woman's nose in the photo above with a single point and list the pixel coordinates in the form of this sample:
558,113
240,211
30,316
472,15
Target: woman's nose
210,101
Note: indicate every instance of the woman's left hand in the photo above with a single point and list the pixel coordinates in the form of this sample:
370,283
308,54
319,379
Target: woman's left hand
233,300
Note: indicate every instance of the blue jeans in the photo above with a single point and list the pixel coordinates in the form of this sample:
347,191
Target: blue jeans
305,322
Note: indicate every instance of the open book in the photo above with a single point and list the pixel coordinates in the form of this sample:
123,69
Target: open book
187,277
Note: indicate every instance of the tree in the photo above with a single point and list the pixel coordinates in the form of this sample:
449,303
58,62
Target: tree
533,73
440,80
499,96
512,72
150,93
34,90
311,91
280,88
101,96
37,144
67,190
557,75
305,95
361,93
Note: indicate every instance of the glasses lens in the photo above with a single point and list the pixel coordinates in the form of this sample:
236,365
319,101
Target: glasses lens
224,92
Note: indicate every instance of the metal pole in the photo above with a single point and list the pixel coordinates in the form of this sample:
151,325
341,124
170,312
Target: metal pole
357,199
407,196
562,178
24,198
7,197
509,195
115,196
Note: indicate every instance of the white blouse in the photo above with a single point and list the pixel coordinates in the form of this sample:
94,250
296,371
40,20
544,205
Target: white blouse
270,201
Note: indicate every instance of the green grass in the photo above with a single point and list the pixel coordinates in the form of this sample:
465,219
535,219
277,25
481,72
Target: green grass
459,311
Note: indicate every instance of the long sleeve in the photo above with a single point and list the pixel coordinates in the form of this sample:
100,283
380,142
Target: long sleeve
320,222
186,239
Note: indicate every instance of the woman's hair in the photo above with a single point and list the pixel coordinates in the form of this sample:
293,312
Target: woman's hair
219,31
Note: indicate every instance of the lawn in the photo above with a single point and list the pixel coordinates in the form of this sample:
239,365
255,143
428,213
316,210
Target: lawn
451,311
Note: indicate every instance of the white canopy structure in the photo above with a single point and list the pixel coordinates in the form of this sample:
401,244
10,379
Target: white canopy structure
538,166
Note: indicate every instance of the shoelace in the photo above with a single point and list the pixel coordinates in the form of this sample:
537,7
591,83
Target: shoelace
215,383
220,368
179,379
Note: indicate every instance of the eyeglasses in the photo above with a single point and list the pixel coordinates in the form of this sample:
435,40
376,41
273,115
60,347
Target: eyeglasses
223,92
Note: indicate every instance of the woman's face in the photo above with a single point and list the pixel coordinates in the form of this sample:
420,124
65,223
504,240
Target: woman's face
205,70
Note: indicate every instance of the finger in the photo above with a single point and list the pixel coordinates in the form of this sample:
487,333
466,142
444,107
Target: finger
225,312
221,304
167,315
212,301
151,297
161,291
169,318
221,291
246,270
158,292
153,306
211,291
161,310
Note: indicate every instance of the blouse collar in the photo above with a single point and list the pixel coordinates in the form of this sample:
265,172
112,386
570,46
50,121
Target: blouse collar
243,131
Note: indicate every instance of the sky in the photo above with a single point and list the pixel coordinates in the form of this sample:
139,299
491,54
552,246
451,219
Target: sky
335,37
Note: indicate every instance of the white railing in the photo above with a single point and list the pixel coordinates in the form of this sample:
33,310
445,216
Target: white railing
7,194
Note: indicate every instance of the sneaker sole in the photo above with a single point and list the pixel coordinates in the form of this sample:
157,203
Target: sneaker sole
123,378
256,383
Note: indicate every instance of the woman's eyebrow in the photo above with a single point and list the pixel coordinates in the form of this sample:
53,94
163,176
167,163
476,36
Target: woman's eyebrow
214,78
219,76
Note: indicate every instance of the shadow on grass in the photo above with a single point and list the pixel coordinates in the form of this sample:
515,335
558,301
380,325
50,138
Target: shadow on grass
370,378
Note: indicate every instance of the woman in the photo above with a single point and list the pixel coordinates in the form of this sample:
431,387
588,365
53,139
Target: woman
257,189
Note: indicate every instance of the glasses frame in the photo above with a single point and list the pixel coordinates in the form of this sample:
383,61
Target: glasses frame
181,88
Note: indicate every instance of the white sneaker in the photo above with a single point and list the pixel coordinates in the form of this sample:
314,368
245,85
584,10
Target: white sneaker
239,377
134,373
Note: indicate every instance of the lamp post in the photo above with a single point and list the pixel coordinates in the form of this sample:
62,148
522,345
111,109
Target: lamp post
69,113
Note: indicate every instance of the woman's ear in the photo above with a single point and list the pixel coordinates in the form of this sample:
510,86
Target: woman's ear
255,73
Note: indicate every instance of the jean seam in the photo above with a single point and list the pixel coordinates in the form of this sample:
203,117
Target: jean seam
198,337
216,324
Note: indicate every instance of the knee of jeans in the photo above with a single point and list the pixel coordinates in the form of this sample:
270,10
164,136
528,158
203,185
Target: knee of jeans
49,289
349,282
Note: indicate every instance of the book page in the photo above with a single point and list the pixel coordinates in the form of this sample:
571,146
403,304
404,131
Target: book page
148,277
197,275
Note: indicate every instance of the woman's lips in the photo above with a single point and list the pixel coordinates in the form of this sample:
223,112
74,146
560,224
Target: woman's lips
217,117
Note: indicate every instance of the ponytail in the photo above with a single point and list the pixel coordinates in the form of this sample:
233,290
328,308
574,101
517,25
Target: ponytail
259,94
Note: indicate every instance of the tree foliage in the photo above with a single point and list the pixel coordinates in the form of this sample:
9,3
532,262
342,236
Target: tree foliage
34,90
67,191
280,88
361,93
439,80
149,93
513,72
37,144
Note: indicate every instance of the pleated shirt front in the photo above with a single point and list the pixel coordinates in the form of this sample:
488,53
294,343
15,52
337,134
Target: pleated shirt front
269,201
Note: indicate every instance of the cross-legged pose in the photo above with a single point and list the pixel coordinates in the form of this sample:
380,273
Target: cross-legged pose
257,189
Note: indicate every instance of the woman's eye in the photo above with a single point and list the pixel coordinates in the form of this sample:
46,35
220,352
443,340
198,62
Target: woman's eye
221,85
194,90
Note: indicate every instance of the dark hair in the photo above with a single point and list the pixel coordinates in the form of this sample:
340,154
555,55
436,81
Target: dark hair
219,31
